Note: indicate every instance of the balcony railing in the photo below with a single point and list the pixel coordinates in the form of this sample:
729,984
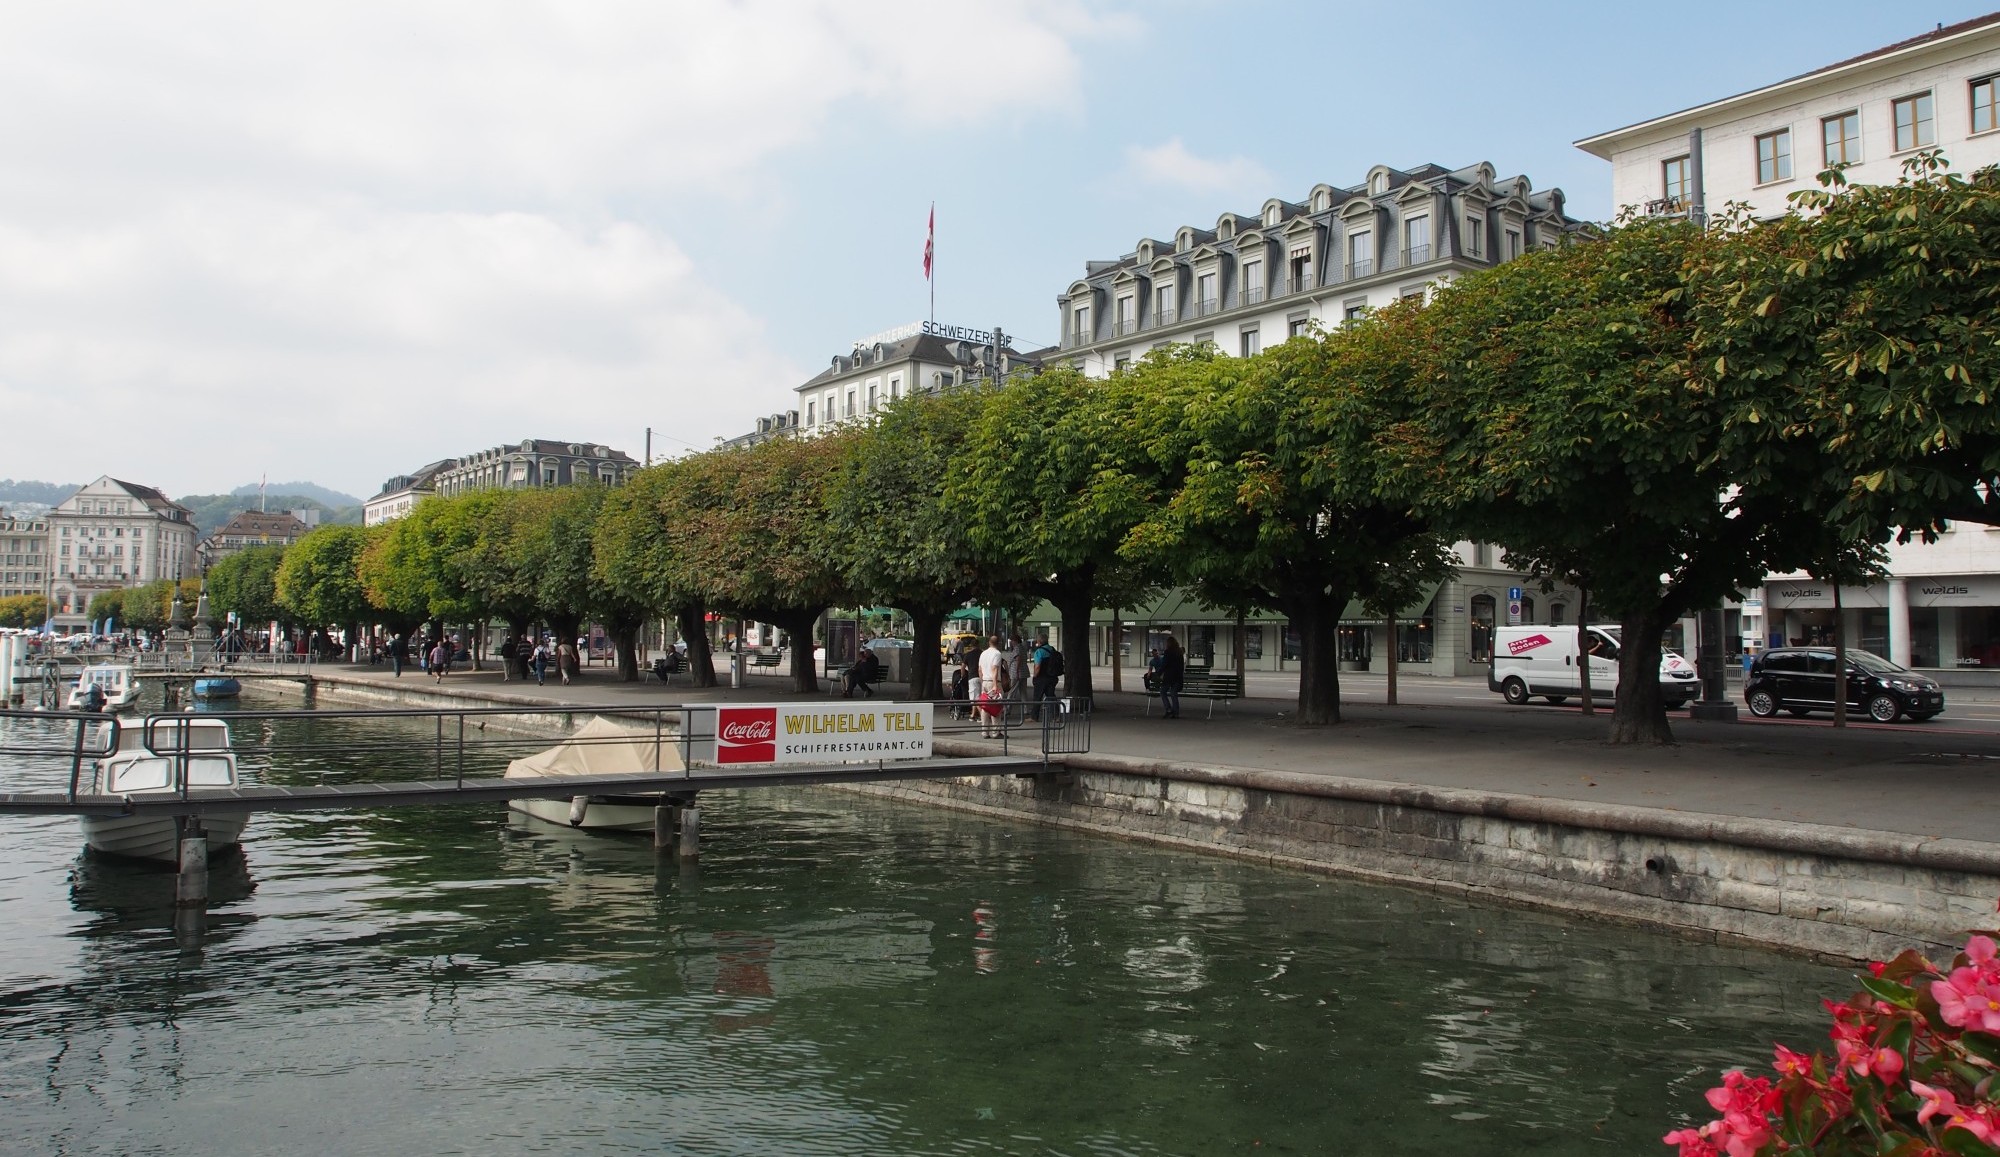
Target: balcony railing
1667,207
1416,254
1361,268
1207,306
1163,317
1252,294
1298,285
1127,325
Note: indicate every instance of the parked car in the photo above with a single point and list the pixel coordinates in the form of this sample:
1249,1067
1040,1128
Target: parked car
1800,680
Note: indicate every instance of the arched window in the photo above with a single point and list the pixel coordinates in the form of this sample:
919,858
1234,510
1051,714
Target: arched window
1480,636
1527,609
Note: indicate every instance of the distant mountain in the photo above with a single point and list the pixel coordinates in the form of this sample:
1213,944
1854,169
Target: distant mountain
46,493
333,499
211,511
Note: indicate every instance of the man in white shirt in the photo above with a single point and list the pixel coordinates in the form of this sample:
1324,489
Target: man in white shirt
992,686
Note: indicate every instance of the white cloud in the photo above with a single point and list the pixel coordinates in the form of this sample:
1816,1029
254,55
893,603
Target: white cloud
338,241
1170,163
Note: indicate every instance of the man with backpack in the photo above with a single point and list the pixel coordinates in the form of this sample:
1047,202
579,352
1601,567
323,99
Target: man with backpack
1045,665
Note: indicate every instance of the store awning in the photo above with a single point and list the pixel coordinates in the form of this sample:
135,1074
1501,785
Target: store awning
965,614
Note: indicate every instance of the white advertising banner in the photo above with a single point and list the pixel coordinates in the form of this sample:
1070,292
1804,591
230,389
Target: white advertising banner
1790,594
821,733
1965,591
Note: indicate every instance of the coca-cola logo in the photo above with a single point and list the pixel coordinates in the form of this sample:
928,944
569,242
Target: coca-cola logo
746,735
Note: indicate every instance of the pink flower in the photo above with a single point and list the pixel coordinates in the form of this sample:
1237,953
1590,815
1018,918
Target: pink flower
1883,1064
1691,1143
1746,1105
1970,997
1979,949
1935,1101
1791,1064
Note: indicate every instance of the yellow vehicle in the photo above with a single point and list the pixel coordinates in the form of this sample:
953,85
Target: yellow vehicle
953,642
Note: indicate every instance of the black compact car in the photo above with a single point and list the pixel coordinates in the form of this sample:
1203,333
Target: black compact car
1800,680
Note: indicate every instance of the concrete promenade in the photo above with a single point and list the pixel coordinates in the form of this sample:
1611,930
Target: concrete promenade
1930,780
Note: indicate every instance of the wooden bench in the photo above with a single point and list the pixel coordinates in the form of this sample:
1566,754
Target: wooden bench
671,663
1201,683
839,675
767,659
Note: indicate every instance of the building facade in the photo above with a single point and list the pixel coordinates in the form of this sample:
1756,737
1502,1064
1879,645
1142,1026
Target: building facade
924,356
1871,113
1254,280
1257,279
113,534
535,462
248,528
24,557
778,425
402,492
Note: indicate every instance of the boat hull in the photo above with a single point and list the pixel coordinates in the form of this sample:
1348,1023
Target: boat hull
625,813
217,688
155,837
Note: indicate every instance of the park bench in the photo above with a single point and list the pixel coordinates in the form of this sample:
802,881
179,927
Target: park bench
839,675
1202,683
672,663
771,659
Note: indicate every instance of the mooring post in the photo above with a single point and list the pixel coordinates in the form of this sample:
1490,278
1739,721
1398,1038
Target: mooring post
690,846
663,827
191,885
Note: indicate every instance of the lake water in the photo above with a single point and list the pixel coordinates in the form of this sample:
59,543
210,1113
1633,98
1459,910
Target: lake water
839,975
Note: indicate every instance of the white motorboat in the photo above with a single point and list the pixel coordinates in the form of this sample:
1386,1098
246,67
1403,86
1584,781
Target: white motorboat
599,747
134,771
120,689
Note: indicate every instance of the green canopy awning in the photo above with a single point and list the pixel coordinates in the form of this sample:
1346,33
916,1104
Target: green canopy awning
965,614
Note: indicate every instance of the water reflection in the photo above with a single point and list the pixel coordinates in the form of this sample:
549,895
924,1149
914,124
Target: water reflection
837,975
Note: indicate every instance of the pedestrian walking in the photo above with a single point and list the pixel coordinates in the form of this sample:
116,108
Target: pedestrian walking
440,658
565,659
1173,672
540,662
992,688
509,647
399,653
1017,666
1046,666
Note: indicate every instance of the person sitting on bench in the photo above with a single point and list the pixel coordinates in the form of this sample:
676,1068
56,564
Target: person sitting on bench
867,669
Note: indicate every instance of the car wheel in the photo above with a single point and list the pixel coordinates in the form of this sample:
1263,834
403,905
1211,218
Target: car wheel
1558,700
1763,704
1884,708
1514,691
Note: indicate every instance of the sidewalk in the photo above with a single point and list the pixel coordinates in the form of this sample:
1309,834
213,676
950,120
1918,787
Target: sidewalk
1920,782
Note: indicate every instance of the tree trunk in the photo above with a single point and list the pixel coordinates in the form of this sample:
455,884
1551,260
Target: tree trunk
1638,712
926,662
799,626
479,643
694,631
1389,624
1583,641
1074,591
1317,618
1117,651
625,641
1839,659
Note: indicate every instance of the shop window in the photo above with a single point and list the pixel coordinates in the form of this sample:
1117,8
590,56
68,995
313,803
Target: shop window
1558,614
1356,643
1481,636
1979,636
1413,637
1253,643
1201,645
1289,650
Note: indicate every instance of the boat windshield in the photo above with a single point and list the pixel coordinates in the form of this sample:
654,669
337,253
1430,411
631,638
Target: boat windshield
139,775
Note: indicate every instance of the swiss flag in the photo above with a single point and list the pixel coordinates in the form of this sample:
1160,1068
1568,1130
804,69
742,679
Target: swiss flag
930,241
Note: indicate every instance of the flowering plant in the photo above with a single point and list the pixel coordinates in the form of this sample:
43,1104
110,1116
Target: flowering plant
1912,1073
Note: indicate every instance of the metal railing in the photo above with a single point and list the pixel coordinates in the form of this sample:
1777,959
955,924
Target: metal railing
450,742
1163,317
1416,255
1127,325
1253,294
1362,268
1298,285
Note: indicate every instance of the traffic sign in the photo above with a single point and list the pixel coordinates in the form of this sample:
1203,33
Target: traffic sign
1513,594
1514,612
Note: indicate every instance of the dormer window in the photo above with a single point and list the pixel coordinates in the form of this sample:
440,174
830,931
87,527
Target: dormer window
1322,201
1378,184
1272,214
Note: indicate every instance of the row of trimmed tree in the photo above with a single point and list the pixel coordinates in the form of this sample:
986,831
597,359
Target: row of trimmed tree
1661,416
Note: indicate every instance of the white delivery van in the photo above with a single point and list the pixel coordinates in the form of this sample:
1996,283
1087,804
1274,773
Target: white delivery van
1531,661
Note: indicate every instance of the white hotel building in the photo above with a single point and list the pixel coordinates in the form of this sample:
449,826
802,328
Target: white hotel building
1254,280
1873,112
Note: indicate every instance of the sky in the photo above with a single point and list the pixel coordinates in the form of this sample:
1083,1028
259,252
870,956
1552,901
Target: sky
335,242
